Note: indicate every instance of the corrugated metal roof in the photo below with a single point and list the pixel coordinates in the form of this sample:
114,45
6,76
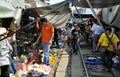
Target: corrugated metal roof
99,3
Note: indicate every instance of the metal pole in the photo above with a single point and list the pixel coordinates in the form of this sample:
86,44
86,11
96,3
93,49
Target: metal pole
94,12
78,12
83,62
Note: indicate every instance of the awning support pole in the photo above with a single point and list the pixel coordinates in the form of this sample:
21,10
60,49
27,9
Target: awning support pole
93,11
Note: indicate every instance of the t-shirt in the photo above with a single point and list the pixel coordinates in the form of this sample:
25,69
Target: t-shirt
68,32
104,40
97,29
87,29
75,33
46,32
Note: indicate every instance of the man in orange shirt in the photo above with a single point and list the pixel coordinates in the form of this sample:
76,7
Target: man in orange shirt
47,33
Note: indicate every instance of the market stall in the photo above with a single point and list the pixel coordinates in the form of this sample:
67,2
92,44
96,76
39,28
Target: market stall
31,65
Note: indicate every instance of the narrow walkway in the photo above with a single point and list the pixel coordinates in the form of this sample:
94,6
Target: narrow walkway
62,67
76,69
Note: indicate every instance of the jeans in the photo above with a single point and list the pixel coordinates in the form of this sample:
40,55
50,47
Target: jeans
75,45
12,66
95,39
46,49
5,71
106,59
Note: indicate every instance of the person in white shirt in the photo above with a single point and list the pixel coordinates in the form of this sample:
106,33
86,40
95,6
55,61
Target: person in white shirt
5,49
96,31
69,36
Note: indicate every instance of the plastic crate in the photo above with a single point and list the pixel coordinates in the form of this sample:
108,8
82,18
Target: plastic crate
94,62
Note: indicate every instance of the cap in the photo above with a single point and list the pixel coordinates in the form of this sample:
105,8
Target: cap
2,30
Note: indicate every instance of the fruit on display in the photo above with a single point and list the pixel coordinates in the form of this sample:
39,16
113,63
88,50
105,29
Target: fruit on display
17,75
52,60
23,57
54,53
15,58
38,70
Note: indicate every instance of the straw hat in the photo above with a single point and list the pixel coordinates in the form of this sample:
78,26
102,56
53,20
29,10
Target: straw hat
2,30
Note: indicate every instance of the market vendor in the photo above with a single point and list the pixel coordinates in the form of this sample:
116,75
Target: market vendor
5,49
47,33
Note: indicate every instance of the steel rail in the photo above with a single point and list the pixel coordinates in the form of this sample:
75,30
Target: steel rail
83,62
78,12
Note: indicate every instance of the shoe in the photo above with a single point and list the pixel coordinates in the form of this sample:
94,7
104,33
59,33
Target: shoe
76,53
109,70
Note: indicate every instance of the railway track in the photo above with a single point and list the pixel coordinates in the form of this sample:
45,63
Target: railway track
93,70
77,66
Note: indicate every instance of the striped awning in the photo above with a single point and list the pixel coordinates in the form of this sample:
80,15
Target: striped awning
58,20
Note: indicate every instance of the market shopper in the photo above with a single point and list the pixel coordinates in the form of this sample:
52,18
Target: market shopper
69,34
11,39
96,31
47,34
75,38
106,49
5,49
56,37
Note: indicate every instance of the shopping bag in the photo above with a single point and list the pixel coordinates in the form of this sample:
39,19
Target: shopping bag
102,49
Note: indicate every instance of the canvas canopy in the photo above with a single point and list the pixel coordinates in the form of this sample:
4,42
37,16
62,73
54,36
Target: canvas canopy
12,9
59,21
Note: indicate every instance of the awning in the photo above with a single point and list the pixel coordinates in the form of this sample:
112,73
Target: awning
6,9
59,21
98,3
62,6
9,9
111,15
115,20
57,14
12,9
